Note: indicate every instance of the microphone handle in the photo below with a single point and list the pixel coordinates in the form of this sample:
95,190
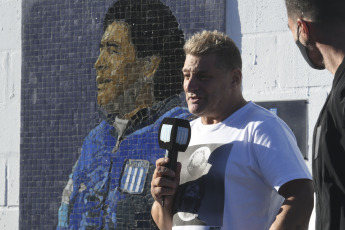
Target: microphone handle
172,155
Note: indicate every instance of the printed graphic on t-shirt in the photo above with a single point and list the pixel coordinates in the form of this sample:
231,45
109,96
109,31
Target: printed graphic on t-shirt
200,197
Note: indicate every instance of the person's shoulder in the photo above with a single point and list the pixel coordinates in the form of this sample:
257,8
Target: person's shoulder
259,113
101,132
265,118
174,106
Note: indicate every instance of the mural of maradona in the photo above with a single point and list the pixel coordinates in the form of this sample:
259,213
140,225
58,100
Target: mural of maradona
139,83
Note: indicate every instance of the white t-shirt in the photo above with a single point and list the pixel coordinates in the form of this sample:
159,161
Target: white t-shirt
232,170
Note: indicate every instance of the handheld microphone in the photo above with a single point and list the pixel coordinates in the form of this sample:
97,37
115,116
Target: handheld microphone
174,136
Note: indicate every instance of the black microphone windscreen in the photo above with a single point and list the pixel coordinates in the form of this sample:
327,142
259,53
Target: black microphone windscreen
174,134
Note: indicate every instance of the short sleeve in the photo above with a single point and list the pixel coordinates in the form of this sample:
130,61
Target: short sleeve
278,156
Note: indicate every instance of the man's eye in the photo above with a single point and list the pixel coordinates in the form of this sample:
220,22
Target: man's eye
114,51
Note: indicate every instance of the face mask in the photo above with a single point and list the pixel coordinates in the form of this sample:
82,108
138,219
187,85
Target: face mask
304,52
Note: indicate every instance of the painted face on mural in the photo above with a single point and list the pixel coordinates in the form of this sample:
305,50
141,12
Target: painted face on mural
124,82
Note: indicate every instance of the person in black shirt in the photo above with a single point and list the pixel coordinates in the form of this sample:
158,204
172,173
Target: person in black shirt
318,27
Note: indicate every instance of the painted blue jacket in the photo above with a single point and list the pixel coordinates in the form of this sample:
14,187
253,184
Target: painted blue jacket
111,189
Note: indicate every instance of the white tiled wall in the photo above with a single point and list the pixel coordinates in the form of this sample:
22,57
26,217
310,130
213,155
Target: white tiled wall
10,77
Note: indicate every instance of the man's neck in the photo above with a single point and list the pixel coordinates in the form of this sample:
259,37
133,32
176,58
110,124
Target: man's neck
232,109
333,58
332,47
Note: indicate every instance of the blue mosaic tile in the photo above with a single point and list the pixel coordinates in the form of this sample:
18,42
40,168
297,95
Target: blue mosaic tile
59,100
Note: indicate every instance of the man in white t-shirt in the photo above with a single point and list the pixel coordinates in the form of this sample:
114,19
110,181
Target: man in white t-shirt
242,169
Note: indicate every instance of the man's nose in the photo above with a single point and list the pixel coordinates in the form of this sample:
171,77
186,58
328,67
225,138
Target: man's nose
100,64
191,84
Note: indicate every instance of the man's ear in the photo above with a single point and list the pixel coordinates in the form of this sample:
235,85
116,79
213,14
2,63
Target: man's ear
236,77
304,32
151,65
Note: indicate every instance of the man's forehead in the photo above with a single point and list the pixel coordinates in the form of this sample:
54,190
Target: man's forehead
202,63
190,69
117,31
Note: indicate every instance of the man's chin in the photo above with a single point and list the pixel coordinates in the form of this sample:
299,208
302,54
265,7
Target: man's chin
101,100
110,108
195,110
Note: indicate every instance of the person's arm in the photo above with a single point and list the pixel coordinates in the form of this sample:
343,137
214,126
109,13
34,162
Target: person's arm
161,186
296,210
63,213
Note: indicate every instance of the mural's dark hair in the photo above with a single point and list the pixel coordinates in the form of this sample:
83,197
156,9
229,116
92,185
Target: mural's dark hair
154,30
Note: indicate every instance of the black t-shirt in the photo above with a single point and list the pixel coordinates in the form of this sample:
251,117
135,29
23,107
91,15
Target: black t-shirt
329,158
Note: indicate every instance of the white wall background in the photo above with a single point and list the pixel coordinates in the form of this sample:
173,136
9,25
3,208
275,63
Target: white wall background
273,69
10,77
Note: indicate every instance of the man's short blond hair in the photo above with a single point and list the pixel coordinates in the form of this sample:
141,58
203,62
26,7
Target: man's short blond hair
214,42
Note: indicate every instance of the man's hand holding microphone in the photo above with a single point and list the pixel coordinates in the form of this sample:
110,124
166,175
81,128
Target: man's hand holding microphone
174,136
